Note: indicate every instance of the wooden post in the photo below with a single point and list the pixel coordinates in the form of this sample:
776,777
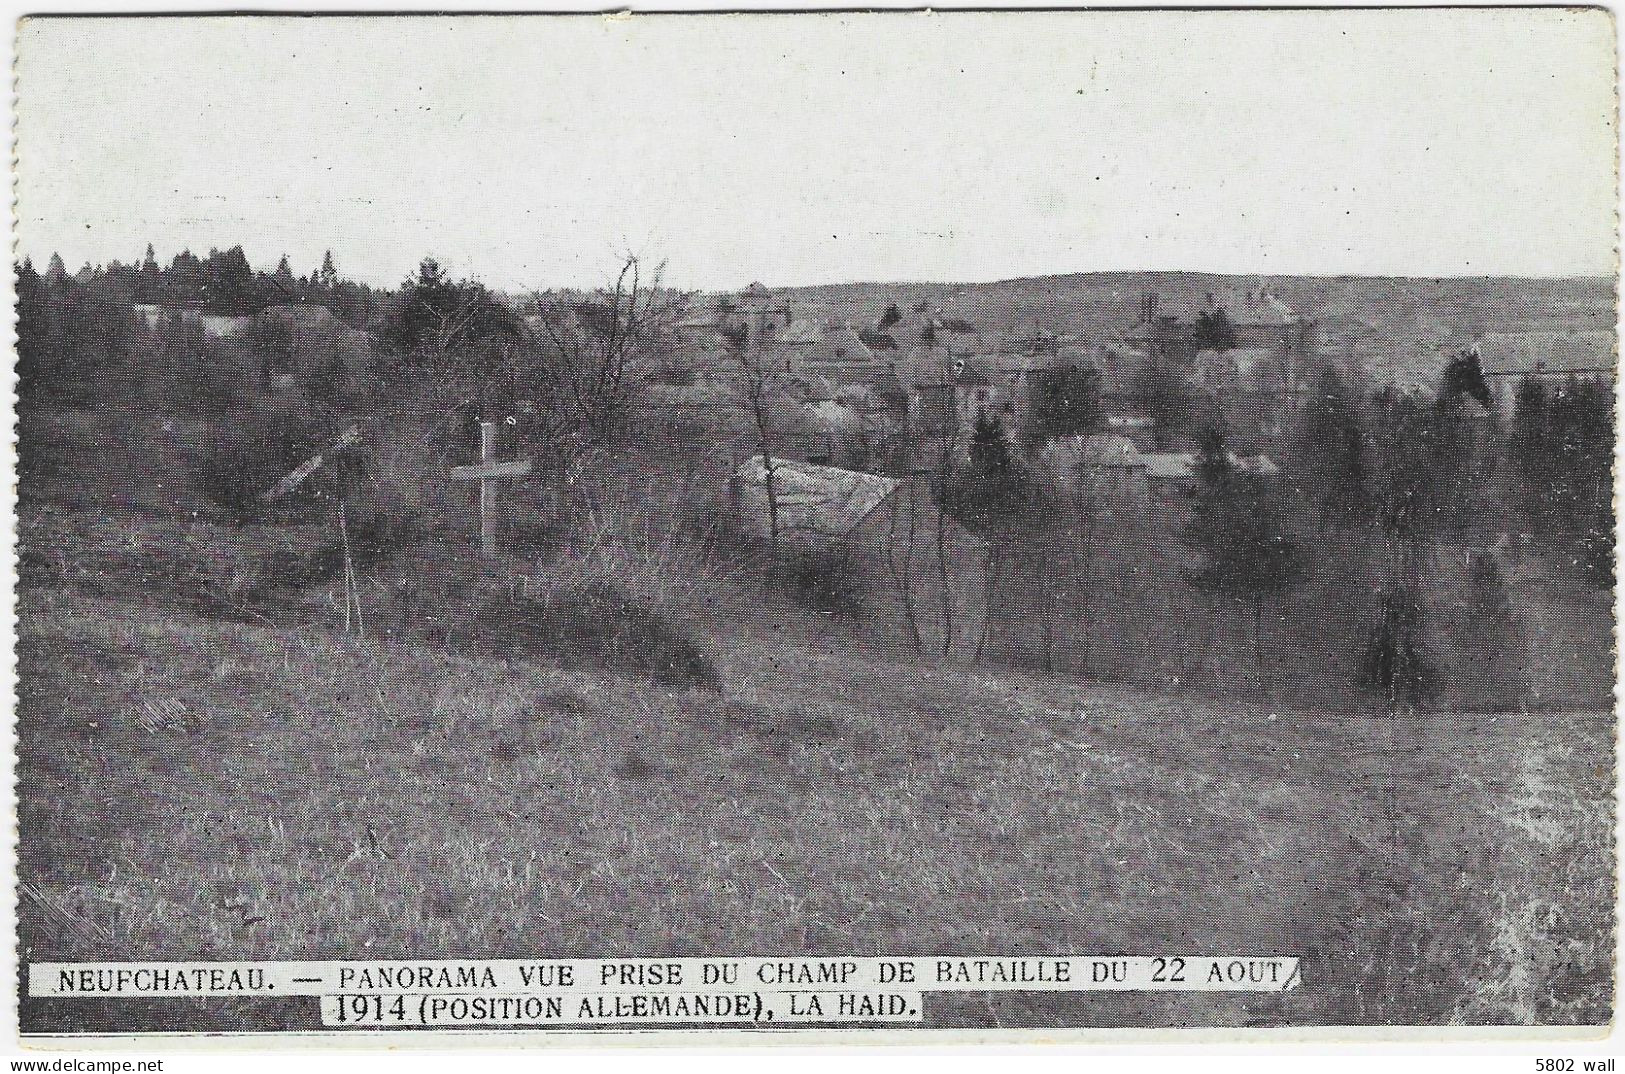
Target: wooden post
488,493
488,473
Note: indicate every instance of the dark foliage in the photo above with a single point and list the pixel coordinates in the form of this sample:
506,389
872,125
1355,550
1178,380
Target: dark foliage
992,494
248,454
1168,398
825,581
1427,478
1464,376
434,317
594,626
1242,548
1561,446
1065,401
877,340
1214,331
71,342
80,341
1236,531
1395,664
1333,455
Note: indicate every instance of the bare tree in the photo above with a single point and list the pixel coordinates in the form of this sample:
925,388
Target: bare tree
757,385
590,355
944,475
902,573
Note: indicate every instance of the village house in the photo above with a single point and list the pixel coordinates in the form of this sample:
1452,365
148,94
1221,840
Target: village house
1104,471
1139,430
817,506
1171,328
1171,475
1251,352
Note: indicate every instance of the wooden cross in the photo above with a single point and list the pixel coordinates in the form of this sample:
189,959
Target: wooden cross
487,473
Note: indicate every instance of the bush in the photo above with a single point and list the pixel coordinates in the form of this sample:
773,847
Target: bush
596,626
1395,664
825,580
247,453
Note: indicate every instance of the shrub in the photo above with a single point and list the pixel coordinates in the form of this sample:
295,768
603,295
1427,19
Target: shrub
825,580
597,626
247,453
1395,664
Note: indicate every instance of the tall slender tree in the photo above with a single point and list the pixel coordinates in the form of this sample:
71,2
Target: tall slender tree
1243,549
1332,454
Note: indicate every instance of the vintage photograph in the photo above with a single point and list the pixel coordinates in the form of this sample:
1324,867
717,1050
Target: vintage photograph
879,523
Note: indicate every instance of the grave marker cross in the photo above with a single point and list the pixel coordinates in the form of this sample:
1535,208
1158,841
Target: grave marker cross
488,473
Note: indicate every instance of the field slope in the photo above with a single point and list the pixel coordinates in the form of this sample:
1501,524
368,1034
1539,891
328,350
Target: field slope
199,790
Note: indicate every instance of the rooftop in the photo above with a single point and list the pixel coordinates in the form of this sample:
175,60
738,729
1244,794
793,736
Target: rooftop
820,503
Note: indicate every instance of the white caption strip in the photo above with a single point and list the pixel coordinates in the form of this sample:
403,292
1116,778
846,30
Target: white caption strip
1074,973
684,990
754,1008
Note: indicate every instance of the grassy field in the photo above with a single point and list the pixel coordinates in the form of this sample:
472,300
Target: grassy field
199,790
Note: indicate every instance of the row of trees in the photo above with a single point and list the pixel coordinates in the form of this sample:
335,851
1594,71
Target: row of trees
81,342
448,340
1388,478
221,283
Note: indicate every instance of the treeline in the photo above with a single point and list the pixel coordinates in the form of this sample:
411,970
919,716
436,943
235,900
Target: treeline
82,341
222,283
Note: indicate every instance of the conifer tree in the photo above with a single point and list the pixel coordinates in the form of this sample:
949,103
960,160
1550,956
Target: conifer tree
1395,663
1243,549
1064,400
1333,454
993,499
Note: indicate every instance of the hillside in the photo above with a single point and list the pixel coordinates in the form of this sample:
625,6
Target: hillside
281,794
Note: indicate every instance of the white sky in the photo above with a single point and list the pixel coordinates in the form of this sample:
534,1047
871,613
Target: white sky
806,149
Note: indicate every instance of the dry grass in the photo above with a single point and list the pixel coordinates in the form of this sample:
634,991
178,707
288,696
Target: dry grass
194,789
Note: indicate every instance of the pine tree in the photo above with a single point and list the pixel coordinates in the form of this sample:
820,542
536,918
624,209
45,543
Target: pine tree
1168,399
56,272
284,273
1239,538
1332,450
992,499
1464,376
1214,332
1395,663
327,276
232,281
990,448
